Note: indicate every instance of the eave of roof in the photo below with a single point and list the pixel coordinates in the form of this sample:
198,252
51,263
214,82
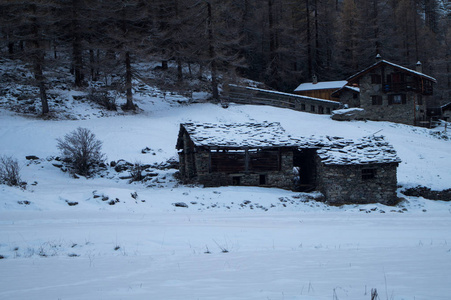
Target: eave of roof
347,87
322,85
416,73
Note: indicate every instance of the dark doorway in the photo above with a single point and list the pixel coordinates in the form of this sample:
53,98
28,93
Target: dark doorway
304,163
262,179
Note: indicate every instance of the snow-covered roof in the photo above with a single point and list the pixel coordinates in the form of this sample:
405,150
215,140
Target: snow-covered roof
348,87
323,85
239,135
366,150
446,106
289,94
331,150
395,66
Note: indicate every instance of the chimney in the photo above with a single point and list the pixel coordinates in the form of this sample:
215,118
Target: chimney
378,57
419,67
315,79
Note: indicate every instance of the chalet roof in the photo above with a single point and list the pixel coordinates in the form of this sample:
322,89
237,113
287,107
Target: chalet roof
384,62
289,94
323,85
346,87
237,135
331,150
447,106
366,150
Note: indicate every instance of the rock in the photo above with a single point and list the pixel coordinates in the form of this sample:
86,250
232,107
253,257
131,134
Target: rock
146,150
180,204
31,157
122,165
348,114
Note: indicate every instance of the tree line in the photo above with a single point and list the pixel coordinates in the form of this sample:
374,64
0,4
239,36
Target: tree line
279,42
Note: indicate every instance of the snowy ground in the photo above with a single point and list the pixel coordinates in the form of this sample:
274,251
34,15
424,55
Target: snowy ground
230,242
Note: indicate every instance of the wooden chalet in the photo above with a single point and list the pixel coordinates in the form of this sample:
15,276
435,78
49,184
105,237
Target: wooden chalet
262,154
322,90
390,92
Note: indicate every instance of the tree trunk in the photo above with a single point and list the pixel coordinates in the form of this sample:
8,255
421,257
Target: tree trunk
179,70
128,83
309,41
212,53
76,45
39,77
38,61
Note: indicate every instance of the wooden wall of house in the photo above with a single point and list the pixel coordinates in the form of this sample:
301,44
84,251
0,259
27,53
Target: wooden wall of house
271,168
247,95
322,94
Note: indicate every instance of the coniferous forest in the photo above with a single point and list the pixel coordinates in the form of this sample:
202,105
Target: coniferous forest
279,42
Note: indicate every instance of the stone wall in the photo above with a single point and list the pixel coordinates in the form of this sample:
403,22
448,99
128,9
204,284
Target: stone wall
350,98
411,112
343,184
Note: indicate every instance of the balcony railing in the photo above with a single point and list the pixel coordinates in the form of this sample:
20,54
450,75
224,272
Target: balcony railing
407,86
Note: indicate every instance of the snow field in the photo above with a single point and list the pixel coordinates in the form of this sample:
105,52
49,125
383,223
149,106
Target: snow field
280,244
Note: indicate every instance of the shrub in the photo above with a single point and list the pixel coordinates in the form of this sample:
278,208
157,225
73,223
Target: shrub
102,98
136,172
9,171
81,150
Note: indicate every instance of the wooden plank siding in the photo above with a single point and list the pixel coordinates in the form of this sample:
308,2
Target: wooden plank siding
321,94
254,96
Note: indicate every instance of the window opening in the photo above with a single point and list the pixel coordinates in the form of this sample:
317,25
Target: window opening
368,174
262,179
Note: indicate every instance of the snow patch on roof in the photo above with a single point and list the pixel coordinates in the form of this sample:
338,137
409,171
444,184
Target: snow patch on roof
366,150
395,66
321,85
331,150
239,135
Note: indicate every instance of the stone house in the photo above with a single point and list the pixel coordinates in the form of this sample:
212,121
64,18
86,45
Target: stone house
390,92
349,96
262,154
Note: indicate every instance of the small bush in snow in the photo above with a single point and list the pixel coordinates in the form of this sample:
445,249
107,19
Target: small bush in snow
81,150
136,172
102,98
9,171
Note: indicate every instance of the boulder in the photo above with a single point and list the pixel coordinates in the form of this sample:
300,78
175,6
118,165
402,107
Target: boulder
348,114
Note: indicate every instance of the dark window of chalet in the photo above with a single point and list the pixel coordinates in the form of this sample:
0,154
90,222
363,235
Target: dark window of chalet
262,179
376,79
320,109
396,77
302,106
419,100
376,100
397,99
368,174
312,108
354,96
236,180
228,162
263,161
328,110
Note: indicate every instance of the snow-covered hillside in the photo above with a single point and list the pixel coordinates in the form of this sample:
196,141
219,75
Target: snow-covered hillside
229,242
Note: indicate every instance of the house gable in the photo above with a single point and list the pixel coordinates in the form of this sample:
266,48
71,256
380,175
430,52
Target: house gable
389,92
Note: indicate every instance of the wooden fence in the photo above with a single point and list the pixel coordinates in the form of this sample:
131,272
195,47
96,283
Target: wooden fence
249,95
